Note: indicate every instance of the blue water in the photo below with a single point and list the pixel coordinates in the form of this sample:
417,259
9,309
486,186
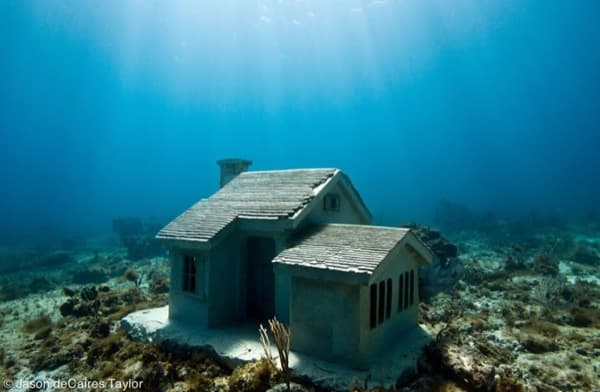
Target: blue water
112,108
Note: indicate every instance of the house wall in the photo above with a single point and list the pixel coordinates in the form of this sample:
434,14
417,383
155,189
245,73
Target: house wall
221,296
347,213
325,319
390,331
185,306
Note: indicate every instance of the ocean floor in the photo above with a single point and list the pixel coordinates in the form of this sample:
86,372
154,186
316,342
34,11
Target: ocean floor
508,314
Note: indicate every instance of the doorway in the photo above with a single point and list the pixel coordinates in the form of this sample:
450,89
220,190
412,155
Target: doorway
260,295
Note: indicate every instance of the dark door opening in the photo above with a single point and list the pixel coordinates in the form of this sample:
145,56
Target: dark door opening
260,301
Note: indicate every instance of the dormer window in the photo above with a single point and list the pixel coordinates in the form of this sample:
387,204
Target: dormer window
331,202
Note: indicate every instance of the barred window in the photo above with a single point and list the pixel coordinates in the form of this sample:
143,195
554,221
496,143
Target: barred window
400,293
373,322
189,273
381,301
406,290
388,300
412,287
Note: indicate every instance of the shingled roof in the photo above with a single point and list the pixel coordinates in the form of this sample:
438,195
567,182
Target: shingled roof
270,195
342,247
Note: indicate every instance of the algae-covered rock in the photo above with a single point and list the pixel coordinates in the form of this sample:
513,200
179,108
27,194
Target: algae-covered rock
537,344
253,376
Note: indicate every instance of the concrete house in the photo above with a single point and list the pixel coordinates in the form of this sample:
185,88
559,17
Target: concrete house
298,245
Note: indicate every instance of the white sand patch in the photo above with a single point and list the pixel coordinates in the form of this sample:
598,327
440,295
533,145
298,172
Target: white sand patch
241,344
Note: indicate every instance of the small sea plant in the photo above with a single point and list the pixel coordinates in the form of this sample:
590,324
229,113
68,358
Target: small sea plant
266,344
547,291
281,335
133,276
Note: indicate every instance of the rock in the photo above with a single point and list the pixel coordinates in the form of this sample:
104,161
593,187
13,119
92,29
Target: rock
440,246
253,376
83,303
159,285
69,292
283,388
101,329
89,293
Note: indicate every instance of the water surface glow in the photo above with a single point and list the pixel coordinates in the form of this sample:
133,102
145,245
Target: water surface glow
123,107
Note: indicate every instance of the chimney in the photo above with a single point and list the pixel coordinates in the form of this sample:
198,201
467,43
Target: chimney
230,168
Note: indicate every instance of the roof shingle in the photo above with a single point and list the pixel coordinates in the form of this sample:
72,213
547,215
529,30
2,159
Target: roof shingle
277,194
342,247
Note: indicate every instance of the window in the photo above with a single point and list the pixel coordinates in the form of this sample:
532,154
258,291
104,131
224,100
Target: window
400,292
189,274
406,290
388,300
373,306
381,301
331,202
412,286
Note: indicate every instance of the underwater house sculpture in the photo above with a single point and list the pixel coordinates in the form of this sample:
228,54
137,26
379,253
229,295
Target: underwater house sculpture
298,245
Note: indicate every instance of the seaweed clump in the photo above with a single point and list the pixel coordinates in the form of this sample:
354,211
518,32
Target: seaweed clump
38,325
545,264
253,376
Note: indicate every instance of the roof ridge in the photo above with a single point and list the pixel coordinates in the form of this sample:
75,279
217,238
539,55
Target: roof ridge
369,226
290,170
